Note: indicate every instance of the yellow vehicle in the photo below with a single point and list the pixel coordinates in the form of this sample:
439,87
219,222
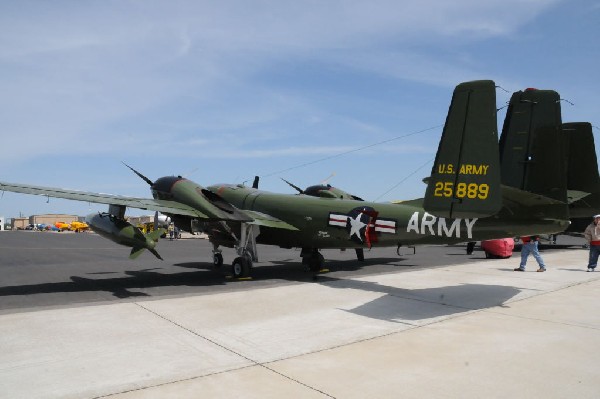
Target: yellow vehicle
62,226
78,227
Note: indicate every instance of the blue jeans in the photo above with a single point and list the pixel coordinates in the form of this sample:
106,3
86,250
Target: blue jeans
594,252
532,248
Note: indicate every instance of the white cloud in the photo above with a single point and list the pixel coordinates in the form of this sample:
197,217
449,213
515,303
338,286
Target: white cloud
73,73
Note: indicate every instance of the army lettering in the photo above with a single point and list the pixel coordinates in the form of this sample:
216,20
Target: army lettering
465,169
432,225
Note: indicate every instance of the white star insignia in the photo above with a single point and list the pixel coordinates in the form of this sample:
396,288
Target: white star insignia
356,225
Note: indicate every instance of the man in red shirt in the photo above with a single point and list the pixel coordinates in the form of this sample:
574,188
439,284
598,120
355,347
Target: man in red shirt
592,235
530,246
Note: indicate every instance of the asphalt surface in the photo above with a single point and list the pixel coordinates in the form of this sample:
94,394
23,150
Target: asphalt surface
48,270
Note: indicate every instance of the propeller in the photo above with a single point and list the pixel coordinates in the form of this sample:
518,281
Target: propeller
324,182
150,182
293,186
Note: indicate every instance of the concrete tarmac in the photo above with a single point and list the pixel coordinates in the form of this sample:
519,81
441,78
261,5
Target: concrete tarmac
470,329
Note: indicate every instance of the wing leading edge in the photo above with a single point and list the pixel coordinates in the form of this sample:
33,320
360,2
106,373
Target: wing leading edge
163,206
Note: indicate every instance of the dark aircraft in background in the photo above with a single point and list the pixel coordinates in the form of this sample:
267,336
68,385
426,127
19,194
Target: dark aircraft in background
469,197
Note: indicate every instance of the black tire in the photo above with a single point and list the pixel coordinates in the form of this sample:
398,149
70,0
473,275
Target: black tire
360,254
240,267
488,255
316,262
218,259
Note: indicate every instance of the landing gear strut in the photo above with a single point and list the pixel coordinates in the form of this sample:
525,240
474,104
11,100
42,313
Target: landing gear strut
245,246
313,259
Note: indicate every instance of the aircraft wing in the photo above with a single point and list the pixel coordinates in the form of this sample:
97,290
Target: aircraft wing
163,206
262,219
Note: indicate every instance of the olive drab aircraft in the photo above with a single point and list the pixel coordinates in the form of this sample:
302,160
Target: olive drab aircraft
475,192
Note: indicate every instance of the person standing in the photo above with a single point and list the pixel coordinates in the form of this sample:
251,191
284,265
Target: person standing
592,235
171,230
530,246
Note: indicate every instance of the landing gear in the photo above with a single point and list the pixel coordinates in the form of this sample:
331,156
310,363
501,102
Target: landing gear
245,246
360,254
471,247
217,257
217,260
313,259
241,267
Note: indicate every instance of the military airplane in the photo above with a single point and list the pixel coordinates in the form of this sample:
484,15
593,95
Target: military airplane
78,227
468,196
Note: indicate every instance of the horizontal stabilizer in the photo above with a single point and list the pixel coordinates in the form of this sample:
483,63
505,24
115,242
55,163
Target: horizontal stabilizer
465,179
525,198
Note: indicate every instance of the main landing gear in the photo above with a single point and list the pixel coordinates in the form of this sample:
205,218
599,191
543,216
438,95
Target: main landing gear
313,259
245,247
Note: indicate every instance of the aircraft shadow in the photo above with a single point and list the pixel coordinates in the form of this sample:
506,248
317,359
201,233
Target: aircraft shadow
120,287
406,305
186,282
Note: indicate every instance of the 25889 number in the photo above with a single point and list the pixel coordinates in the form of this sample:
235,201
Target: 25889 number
462,190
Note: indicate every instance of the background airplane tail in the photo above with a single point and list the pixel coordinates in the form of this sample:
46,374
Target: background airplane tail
533,147
583,180
465,178
534,154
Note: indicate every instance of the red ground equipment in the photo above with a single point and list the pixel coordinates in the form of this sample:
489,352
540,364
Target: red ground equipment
500,248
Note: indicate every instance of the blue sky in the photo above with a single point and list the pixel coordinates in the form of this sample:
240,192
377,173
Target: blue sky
222,91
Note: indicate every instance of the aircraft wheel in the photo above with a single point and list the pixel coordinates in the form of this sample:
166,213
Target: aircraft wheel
360,254
240,267
218,259
316,263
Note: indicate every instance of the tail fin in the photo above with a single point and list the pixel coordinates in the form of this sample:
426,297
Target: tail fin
582,173
136,252
153,236
583,181
156,234
465,179
533,147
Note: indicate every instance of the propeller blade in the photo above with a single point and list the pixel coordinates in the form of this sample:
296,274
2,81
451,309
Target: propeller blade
324,182
139,174
293,186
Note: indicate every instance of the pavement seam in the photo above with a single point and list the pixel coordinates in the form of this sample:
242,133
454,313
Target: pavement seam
468,311
575,284
254,362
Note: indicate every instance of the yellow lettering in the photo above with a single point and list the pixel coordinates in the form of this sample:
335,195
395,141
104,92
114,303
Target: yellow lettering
470,169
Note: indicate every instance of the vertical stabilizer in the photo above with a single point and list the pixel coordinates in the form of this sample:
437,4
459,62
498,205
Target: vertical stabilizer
533,147
583,180
465,179
582,172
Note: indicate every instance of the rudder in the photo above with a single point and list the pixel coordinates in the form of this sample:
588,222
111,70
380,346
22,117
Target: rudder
465,178
533,147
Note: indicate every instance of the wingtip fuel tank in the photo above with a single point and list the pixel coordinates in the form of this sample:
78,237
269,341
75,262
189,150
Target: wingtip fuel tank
124,233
